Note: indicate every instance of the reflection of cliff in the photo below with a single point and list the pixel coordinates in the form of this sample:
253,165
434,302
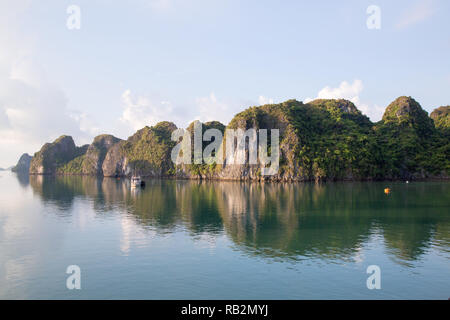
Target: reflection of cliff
155,205
334,219
292,220
414,217
23,178
273,220
198,205
53,190
61,190
442,234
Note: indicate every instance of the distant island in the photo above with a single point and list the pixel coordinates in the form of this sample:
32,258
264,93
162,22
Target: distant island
23,165
322,140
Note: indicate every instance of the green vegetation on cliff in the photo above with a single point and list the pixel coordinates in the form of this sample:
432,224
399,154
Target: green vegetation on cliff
204,169
63,157
55,155
95,155
324,139
441,118
74,166
150,148
411,144
332,140
90,160
147,152
335,140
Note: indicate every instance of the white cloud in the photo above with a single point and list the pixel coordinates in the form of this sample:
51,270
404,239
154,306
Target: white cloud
420,11
86,124
210,108
140,111
374,112
344,91
351,92
33,110
264,100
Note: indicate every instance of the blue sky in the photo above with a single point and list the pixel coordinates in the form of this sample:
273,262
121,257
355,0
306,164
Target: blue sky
138,62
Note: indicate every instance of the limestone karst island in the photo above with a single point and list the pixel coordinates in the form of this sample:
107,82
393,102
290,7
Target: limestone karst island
323,140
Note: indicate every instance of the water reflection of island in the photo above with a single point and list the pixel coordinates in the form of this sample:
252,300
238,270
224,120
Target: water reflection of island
287,221
23,178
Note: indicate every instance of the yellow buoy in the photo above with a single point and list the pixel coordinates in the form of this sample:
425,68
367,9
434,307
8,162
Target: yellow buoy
387,190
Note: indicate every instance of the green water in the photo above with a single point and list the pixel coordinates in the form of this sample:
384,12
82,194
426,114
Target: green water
222,240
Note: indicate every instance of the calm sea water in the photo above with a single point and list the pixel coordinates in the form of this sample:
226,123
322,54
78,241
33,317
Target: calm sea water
222,240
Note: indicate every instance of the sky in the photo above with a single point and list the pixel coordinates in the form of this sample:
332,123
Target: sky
135,63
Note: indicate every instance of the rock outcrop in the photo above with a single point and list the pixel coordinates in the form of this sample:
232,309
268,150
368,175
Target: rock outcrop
64,157
96,153
23,165
441,118
312,139
411,144
332,105
325,139
54,155
147,153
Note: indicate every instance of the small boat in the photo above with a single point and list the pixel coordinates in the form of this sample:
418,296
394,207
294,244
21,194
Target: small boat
136,181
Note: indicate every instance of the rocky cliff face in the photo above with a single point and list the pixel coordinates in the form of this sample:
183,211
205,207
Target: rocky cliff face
265,117
333,105
193,170
441,118
96,153
315,140
147,153
312,137
324,139
52,155
407,112
412,146
23,165
328,139
89,158
63,157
